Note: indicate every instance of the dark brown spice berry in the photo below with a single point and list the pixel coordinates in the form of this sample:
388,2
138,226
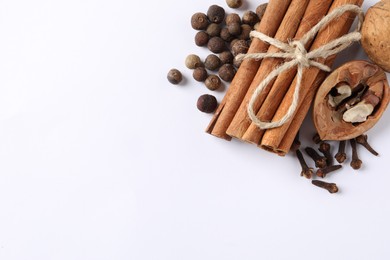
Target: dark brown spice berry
213,82
226,57
234,29
227,72
199,21
234,3
212,62
207,103
193,61
245,32
239,47
260,10
213,29
174,76
216,14
201,38
232,18
225,35
250,18
200,74
216,45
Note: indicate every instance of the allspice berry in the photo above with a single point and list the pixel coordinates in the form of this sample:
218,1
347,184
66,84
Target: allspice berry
232,18
212,62
216,45
213,82
234,28
250,18
216,14
226,57
225,35
239,47
207,103
260,10
227,72
200,74
245,32
174,76
237,63
201,38
193,61
199,21
213,29
234,3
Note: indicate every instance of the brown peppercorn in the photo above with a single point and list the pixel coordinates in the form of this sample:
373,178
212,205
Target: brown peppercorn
260,10
232,18
234,29
216,14
233,42
226,57
199,21
245,32
200,74
216,45
250,18
212,62
234,3
213,82
240,46
213,29
225,35
227,72
193,61
207,103
174,76
201,38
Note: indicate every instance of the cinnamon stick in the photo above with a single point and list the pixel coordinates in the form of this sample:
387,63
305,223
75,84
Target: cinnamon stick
315,11
224,114
312,78
286,31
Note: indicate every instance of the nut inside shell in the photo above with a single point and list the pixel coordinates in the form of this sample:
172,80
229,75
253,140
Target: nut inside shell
350,101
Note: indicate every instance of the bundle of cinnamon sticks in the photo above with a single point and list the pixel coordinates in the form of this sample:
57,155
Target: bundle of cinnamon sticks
283,20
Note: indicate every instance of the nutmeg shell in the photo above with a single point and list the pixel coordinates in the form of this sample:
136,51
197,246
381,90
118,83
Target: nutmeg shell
329,121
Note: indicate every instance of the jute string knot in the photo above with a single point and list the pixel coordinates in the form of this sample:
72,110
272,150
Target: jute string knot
296,53
301,53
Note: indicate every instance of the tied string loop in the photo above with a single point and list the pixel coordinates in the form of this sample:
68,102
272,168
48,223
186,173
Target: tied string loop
296,53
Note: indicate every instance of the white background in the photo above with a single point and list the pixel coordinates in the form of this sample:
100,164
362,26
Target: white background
102,158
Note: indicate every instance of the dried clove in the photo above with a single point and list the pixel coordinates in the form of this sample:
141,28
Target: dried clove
322,172
331,187
320,161
356,163
325,150
341,156
307,172
362,140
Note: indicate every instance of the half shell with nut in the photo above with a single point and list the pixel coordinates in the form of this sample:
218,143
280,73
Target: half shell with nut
350,101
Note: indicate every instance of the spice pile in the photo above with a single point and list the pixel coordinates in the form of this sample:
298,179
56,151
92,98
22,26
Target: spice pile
347,102
225,36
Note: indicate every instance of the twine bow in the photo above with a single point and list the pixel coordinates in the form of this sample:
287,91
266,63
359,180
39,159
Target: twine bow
298,55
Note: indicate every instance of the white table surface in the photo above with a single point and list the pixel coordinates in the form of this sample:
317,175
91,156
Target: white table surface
102,158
